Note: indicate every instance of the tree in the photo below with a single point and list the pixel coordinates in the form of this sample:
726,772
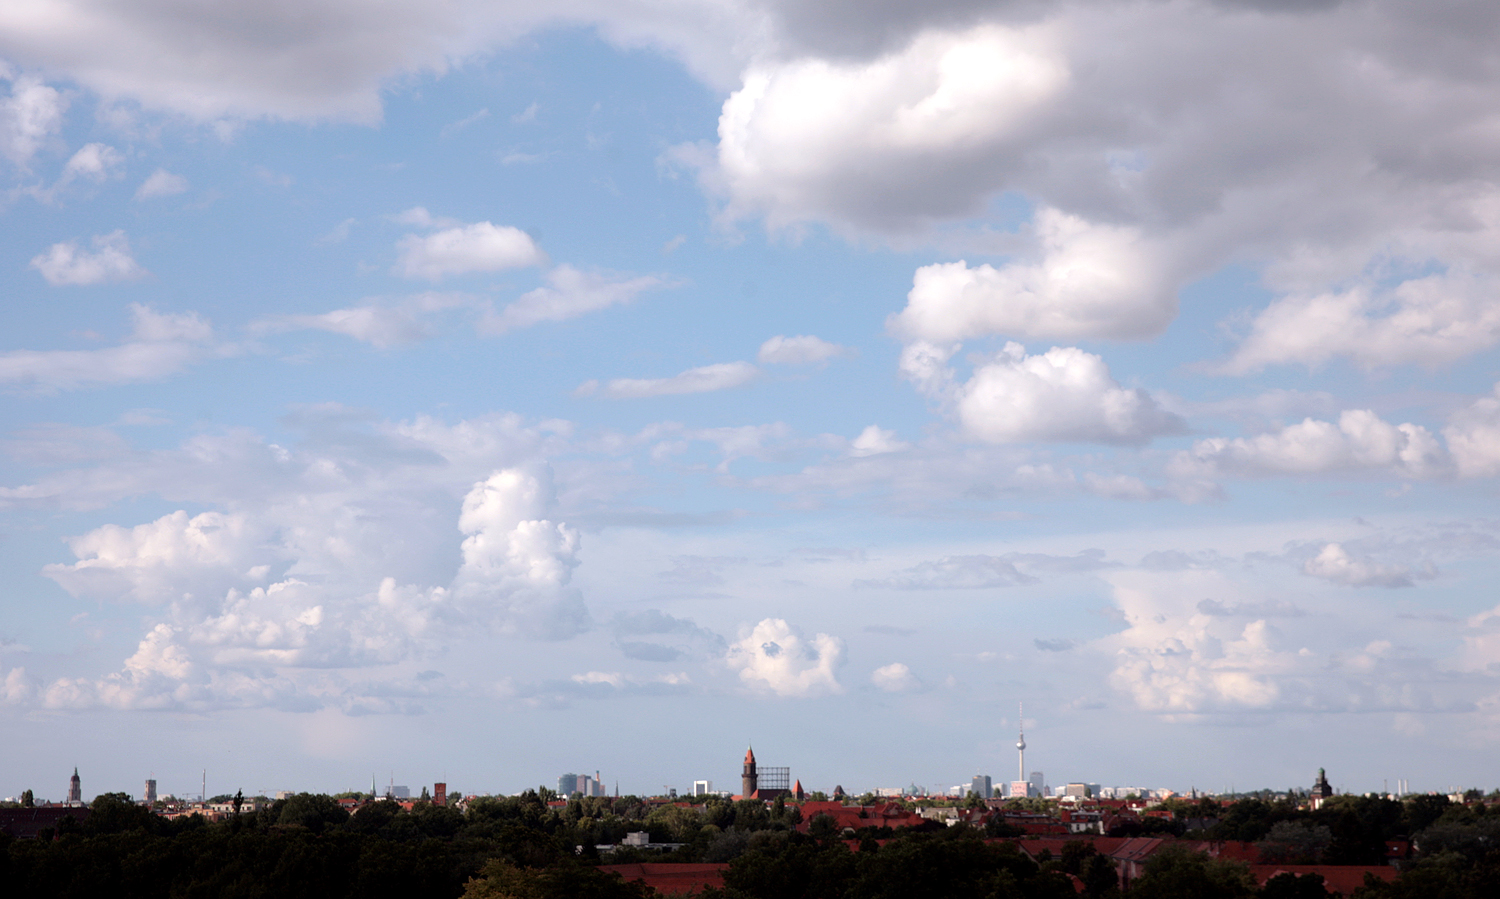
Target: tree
313,812
1176,872
27,801
1295,843
1290,886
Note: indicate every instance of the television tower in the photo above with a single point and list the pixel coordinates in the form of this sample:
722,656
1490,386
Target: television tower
1021,742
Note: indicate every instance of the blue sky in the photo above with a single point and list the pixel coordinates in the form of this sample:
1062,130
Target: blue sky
474,394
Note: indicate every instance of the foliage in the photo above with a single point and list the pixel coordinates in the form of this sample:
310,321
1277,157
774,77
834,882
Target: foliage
502,880
1176,872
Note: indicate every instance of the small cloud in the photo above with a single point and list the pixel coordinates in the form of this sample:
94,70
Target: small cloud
1059,645
673,245
874,441
704,379
613,678
161,183
92,162
1268,609
67,264
419,217
340,232
568,294
275,179
776,656
955,573
480,247
1335,564
381,327
895,678
526,115
803,349
519,158
650,652
464,122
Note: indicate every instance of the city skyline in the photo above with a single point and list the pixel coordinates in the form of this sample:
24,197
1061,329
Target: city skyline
490,392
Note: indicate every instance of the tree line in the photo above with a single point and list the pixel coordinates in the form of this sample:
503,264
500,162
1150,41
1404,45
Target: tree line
524,847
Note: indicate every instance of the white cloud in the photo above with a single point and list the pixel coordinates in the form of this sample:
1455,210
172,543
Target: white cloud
224,638
1333,563
162,560
895,678
159,345
1181,654
516,562
1090,280
704,379
777,657
31,115
875,441
1171,658
211,65
1431,320
803,349
1360,440
1064,394
480,247
816,139
162,183
92,162
569,294
419,217
380,326
1473,436
67,264
978,572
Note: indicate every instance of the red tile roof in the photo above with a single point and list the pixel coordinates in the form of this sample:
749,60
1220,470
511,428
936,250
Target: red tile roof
672,879
1343,879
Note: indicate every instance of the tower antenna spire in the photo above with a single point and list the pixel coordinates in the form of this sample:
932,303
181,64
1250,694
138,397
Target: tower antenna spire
1021,741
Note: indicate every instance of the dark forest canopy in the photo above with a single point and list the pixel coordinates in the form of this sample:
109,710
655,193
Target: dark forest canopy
526,847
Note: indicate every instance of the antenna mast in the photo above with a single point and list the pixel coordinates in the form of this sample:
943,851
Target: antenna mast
1021,742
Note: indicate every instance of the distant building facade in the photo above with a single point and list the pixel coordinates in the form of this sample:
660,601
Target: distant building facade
75,789
982,786
150,792
583,784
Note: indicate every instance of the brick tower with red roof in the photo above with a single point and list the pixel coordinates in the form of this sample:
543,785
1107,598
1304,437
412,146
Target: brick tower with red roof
748,777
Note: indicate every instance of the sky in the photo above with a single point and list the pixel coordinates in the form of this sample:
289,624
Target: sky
483,391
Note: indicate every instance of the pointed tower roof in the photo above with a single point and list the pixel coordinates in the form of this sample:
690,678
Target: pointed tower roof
749,756
797,790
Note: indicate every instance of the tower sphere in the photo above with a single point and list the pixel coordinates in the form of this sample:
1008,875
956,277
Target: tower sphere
1020,744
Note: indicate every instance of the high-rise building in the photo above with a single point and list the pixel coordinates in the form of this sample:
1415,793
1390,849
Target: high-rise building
582,784
150,793
702,787
1020,789
1038,784
982,786
440,794
75,788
